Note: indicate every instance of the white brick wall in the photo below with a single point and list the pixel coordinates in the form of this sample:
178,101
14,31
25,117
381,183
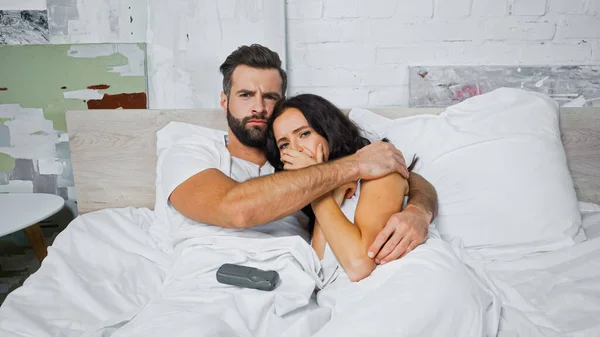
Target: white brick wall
593,7
304,10
384,9
596,52
341,9
356,52
527,7
453,9
579,26
568,7
486,8
519,29
352,96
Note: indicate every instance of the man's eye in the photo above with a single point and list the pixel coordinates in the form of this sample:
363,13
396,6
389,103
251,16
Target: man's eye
245,95
272,98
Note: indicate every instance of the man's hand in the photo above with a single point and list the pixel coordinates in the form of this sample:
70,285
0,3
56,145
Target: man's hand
402,233
380,159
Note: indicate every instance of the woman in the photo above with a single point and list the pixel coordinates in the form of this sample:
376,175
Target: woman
415,295
306,130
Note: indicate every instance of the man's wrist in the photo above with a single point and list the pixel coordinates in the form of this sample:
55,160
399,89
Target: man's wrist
428,215
349,169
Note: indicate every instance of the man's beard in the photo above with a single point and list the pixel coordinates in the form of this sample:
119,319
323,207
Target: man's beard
255,136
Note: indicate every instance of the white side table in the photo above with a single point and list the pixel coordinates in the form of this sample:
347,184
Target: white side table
24,211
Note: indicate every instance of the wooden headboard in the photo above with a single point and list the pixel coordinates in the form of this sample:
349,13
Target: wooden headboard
114,151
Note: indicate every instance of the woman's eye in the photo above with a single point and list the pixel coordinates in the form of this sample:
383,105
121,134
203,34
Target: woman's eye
283,146
304,134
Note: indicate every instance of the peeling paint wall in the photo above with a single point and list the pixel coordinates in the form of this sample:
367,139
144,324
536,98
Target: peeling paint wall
23,27
442,86
98,21
15,5
356,53
41,82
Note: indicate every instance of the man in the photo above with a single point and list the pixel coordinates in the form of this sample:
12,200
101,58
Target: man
233,186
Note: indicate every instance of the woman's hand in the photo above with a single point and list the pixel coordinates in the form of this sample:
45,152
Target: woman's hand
294,160
344,192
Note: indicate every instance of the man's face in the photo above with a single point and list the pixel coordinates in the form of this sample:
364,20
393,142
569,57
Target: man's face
253,95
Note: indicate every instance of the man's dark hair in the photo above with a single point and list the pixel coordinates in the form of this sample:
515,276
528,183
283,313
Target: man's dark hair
255,56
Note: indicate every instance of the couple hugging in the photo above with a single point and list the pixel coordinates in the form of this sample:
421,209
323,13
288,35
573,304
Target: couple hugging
298,167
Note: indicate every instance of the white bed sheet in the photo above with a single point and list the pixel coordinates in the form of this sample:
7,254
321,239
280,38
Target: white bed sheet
554,293
103,264
192,303
106,275
107,266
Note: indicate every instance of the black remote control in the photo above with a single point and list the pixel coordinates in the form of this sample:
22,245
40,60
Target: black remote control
247,277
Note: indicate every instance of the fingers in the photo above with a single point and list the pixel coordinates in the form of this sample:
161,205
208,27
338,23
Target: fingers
398,251
351,189
286,158
292,153
399,160
350,192
380,240
399,153
302,153
401,164
403,171
289,162
399,157
307,152
320,156
413,244
293,160
403,232
390,245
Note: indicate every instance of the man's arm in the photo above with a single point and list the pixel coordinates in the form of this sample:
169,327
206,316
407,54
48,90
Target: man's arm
409,228
422,195
212,197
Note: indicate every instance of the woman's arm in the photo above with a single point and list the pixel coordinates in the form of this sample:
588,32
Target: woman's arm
318,240
379,199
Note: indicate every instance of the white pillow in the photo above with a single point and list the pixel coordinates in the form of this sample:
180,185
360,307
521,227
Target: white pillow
175,131
499,168
165,139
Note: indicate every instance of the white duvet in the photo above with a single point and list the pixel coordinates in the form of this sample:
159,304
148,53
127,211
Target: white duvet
106,276
556,293
104,263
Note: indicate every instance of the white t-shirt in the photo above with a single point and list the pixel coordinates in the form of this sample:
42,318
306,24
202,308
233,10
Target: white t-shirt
191,155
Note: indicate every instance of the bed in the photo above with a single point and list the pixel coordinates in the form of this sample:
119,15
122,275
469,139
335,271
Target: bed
109,262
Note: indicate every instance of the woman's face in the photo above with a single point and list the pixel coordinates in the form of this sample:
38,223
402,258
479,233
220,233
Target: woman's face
292,131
